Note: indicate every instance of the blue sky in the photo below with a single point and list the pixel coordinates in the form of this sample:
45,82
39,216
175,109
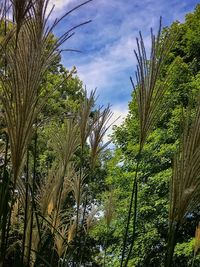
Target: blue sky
107,43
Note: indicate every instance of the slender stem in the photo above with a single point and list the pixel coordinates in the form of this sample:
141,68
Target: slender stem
33,195
105,246
134,223
81,228
78,207
4,237
6,156
4,205
26,206
174,227
130,208
193,260
56,216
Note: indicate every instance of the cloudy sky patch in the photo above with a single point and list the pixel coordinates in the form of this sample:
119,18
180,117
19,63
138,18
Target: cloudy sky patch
107,43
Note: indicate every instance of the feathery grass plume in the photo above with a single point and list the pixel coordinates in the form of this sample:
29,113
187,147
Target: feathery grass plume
60,232
98,131
185,181
48,191
84,116
149,91
20,10
90,220
149,95
66,142
53,192
28,53
86,122
50,205
27,61
71,230
56,220
66,189
76,181
62,179
60,240
51,201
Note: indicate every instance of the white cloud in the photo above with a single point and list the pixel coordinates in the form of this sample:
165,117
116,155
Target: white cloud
119,114
108,43
59,6
110,70
104,69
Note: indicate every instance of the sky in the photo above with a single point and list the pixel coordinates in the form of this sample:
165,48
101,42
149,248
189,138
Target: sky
107,43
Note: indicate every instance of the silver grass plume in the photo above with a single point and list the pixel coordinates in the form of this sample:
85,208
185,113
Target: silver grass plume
28,54
149,91
100,127
185,181
149,95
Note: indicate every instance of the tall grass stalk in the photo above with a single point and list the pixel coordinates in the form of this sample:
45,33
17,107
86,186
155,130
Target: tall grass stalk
149,94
